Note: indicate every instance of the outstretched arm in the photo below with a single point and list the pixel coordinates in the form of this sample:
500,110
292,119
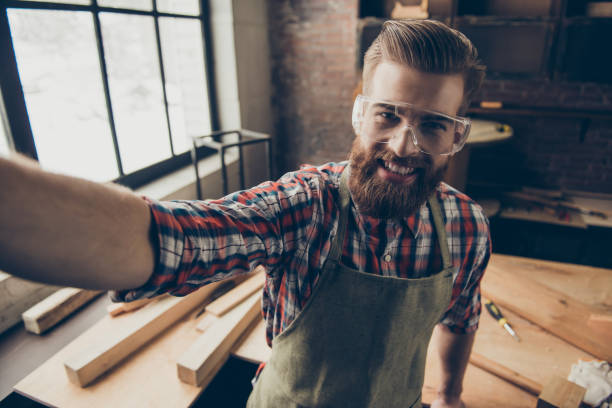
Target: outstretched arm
454,351
68,231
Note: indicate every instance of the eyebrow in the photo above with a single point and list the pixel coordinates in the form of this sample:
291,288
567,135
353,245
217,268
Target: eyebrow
384,105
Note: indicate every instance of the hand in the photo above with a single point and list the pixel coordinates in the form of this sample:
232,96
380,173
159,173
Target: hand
447,402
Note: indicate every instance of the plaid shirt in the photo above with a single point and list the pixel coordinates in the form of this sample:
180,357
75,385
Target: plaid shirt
287,226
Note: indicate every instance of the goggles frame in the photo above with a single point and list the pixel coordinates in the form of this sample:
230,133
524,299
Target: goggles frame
357,121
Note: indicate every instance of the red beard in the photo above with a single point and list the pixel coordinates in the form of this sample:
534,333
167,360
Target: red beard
384,199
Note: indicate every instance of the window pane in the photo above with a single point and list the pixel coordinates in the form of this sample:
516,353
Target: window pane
145,5
136,90
83,2
59,69
188,7
183,54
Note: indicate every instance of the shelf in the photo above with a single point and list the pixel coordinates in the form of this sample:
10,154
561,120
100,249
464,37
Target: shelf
547,112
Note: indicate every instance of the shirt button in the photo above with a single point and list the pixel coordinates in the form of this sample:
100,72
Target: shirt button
387,258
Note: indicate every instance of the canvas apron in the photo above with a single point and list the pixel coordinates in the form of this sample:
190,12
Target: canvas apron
361,339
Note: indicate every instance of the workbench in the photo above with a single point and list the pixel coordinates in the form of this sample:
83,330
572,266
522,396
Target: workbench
148,378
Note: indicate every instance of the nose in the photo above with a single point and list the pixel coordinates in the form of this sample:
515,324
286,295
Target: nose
402,143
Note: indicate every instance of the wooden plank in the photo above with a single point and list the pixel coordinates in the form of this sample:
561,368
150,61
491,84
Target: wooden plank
506,374
253,347
206,320
235,296
587,284
115,309
552,310
18,295
561,393
202,360
130,332
55,308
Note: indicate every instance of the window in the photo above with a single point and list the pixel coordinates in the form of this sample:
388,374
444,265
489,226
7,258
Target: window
113,90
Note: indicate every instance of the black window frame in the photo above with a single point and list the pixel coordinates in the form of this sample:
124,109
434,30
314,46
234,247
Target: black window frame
15,105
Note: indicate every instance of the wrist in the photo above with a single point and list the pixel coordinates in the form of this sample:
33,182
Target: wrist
449,396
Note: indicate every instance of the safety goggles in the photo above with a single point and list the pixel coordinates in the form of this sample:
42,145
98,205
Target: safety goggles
432,132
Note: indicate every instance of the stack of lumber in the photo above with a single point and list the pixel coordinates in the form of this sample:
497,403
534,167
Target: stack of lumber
146,347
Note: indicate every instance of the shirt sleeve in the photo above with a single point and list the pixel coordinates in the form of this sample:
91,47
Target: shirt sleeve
200,242
464,313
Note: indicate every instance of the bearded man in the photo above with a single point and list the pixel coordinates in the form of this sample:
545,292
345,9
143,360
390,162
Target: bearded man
363,258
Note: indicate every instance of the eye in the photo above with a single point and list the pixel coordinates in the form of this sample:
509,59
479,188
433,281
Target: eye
388,116
434,126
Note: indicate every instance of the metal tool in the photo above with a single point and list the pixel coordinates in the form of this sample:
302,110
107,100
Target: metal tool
497,315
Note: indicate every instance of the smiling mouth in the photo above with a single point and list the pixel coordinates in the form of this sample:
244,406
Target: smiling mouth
398,169
397,173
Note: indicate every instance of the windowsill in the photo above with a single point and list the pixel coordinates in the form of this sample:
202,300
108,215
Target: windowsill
180,184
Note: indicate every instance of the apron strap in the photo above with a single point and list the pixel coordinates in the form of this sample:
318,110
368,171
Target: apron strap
345,200
440,230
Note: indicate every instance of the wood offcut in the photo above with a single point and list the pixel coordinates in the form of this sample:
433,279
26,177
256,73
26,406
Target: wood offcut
199,364
55,308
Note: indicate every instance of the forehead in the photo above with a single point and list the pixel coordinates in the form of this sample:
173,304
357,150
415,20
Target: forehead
399,83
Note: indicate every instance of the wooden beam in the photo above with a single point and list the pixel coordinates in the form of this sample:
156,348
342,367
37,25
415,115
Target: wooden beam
18,295
199,364
561,393
115,309
505,373
554,311
235,296
130,332
206,321
55,308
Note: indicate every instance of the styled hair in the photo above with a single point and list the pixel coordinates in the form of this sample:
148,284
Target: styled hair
427,46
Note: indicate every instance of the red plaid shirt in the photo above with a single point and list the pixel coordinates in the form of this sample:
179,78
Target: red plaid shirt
288,225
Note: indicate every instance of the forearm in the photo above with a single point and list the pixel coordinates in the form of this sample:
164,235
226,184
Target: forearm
454,352
68,231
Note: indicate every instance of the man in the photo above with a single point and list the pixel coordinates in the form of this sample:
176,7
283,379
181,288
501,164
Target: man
363,258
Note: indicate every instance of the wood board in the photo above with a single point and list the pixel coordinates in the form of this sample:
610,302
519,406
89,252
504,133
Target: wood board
550,309
199,363
55,308
115,309
590,285
18,295
232,298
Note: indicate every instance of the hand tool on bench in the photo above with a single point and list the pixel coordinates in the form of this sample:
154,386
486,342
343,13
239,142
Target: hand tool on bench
501,320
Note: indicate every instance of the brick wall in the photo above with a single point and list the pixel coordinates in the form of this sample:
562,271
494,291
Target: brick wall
313,48
549,152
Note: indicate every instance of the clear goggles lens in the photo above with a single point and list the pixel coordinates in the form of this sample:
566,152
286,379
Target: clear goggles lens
432,132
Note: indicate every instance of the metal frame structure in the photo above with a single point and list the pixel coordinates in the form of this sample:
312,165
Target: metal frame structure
215,141
16,111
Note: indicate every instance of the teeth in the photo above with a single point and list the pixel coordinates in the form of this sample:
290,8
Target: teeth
403,171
